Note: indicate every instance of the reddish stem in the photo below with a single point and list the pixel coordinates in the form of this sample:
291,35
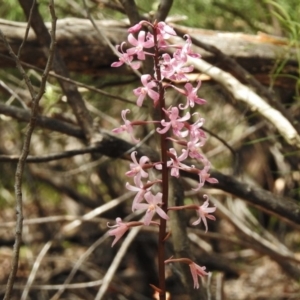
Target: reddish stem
165,174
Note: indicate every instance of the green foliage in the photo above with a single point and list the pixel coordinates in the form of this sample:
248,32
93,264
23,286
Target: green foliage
11,10
247,16
288,16
219,15
212,14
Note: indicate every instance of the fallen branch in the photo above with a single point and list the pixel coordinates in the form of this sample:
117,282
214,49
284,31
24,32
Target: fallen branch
243,93
115,147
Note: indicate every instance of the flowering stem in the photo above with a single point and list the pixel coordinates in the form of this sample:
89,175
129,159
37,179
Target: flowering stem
172,69
165,174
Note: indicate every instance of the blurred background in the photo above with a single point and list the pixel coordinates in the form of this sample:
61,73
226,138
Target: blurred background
252,251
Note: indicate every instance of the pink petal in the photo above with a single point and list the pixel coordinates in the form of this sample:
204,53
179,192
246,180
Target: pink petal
164,130
145,78
194,275
162,213
135,28
211,217
117,64
132,40
144,159
142,206
212,180
140,100
153,95
148,217
133,154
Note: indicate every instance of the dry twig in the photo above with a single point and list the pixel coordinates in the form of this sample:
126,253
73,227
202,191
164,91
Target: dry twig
20,167
114,147
243,93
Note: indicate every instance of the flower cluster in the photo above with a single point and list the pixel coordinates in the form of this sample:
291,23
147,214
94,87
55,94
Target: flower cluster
175,127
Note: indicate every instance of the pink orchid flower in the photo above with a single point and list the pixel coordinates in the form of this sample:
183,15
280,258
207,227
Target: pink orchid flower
152,206
125,58
174,69
117,230
126,127
176,122
176,161
191,94
140,189
186,50
204,212
139,44
203,176
164,33
196,271
135,28
165,30
147,89
196,133
193,146
137,168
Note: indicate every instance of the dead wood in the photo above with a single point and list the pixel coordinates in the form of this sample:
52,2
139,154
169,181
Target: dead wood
114,147
84,52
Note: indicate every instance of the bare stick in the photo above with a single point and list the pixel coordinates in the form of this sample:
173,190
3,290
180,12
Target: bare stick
69,80
53,219
102,37
243,93
49,287
91,215
245,76
35,268
85,255
82,258
283,258
13,94
73,96
50,157
20,167
97,211
27,30
116,262
111,146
